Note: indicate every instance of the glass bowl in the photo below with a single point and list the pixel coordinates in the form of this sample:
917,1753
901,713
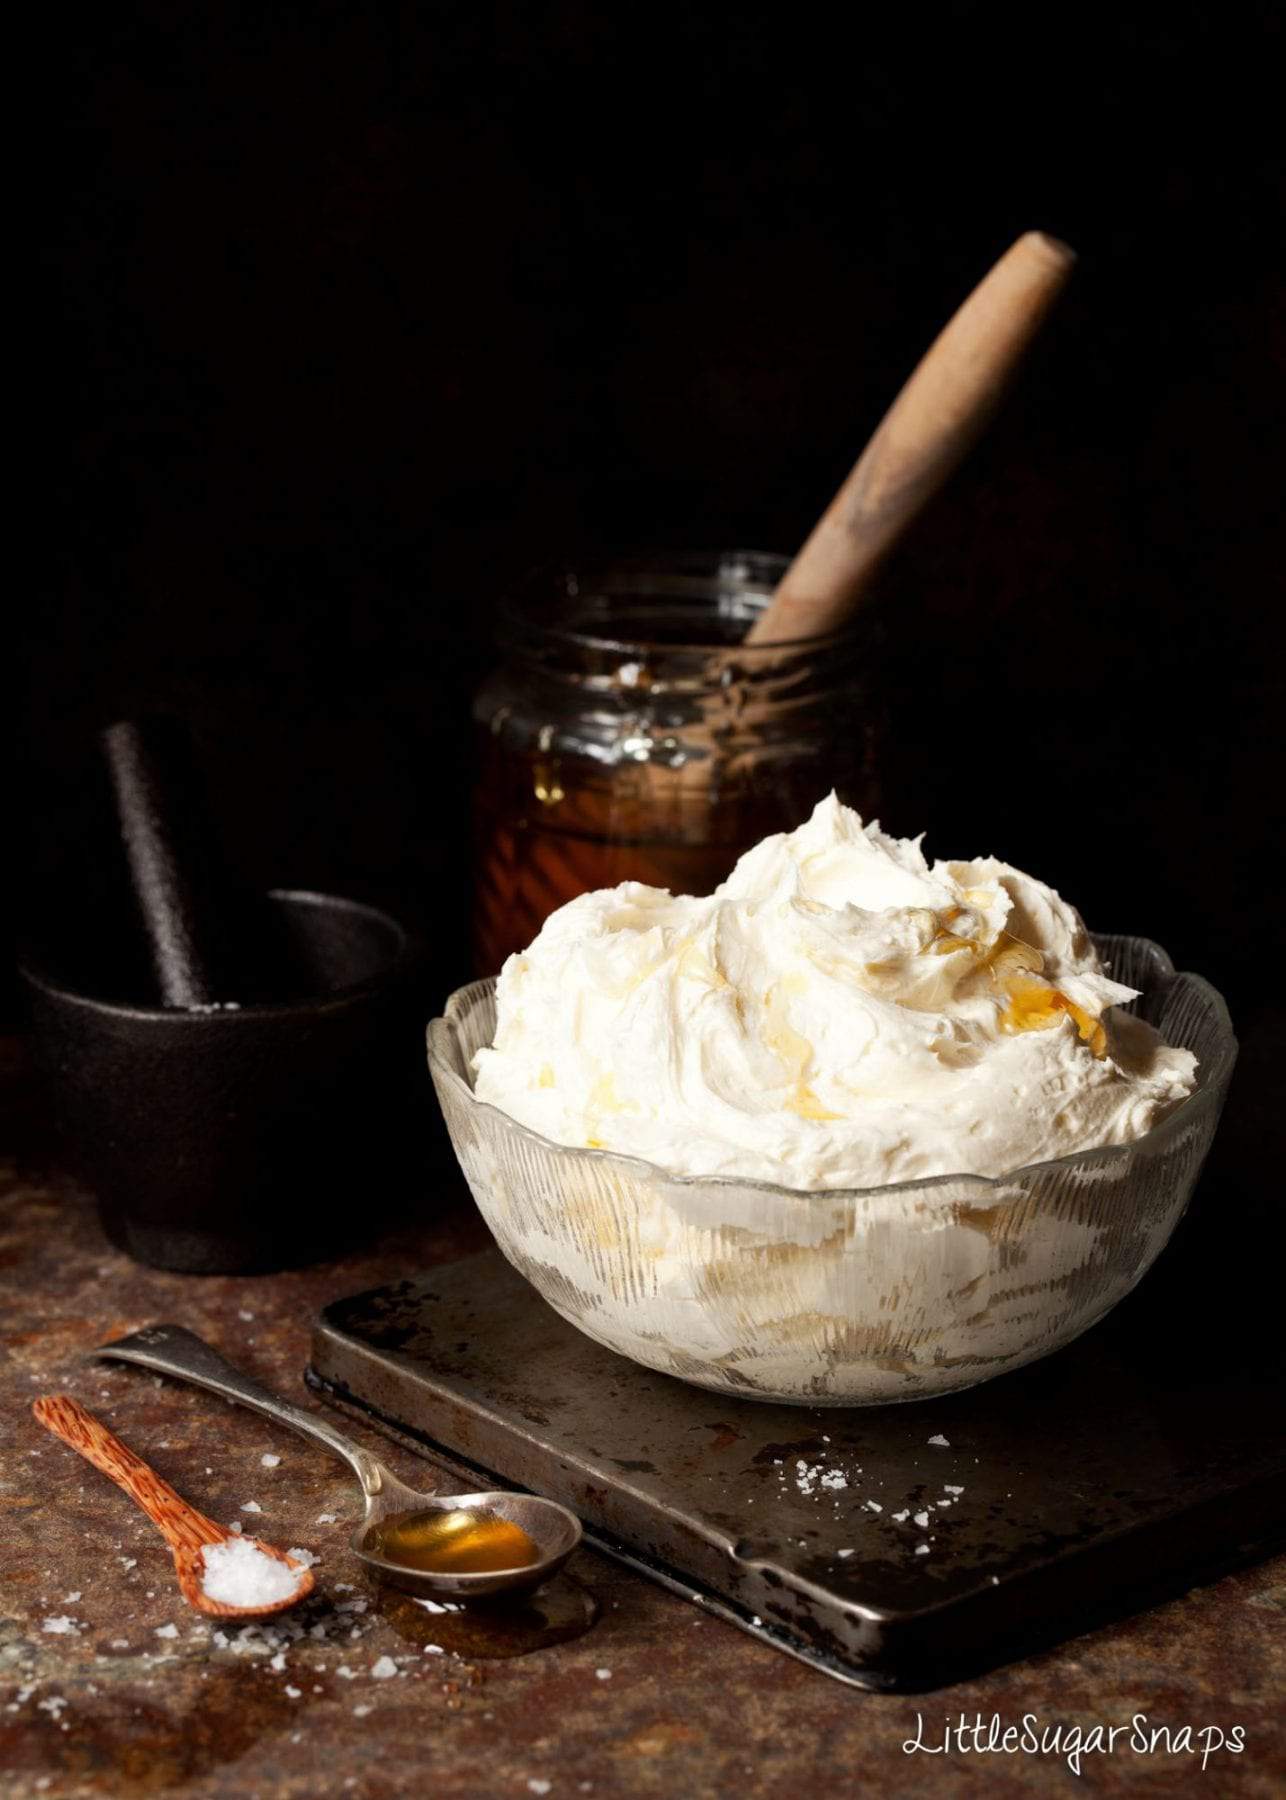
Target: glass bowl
839,1296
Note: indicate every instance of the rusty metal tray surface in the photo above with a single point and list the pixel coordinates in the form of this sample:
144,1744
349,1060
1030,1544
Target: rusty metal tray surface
898,1547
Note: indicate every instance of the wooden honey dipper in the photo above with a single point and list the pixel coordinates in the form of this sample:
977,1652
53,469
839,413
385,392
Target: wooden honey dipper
935,418
937,415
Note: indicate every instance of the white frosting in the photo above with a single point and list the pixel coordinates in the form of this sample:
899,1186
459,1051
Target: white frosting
837,1014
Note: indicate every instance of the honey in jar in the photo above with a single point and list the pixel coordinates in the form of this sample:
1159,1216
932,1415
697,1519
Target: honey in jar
631,735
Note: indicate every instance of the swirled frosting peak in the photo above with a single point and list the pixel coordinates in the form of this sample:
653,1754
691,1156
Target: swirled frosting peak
839,1013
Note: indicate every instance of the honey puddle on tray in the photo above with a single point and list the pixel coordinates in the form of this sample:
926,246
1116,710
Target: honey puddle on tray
491,1628
453,1543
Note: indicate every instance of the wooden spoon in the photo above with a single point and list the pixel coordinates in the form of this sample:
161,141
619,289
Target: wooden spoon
938,414
935,418
184,1529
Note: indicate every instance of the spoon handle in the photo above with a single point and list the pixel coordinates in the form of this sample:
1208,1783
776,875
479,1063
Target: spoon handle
180,1524
940,411
173,1350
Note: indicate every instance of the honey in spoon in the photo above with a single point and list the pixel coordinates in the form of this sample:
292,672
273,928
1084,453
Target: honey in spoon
455,1542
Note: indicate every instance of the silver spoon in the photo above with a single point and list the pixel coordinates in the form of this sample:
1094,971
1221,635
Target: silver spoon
555,1531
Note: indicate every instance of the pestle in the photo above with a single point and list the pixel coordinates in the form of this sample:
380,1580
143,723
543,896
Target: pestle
184,897
935,418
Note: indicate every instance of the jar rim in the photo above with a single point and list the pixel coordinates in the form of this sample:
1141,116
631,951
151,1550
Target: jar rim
749,574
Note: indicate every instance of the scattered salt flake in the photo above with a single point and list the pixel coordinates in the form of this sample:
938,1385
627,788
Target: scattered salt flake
278,1662
247,1316
128,1562
442,1606
53,1705
922,1519
874,1506
327,1518
383,1669
166,1631
843,1553
902,1516
346,1673
61,1626
268,1460
948,1489
71,1599
235,1526
293,1693
940,1441
360,1712
432,1650
120,1643
538,1785
304,1557
251,1506
603,1674
922,1549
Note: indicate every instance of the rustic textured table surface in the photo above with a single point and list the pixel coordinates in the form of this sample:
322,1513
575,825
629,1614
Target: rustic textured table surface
108,1685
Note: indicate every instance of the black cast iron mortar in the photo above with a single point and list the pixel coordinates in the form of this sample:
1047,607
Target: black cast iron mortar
242,1103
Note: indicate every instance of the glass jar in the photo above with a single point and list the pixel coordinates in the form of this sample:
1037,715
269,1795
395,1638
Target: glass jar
630,735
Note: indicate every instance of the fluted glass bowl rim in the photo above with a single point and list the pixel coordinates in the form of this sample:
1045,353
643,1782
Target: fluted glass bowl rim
1212,1076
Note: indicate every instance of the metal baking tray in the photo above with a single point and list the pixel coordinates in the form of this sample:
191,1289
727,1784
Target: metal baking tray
969,1530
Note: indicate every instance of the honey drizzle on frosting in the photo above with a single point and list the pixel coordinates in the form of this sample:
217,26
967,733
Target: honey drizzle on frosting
1014,968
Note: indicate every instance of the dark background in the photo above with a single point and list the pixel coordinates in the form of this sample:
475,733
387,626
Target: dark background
356,313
